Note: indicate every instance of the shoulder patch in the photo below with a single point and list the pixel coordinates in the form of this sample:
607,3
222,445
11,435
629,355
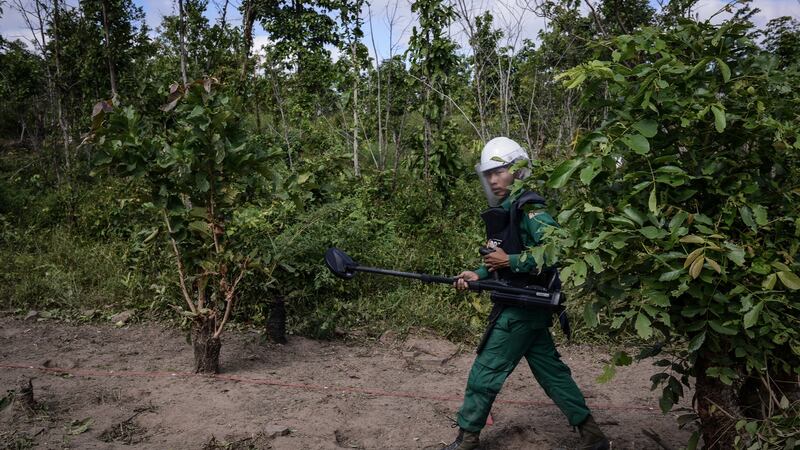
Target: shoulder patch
532,214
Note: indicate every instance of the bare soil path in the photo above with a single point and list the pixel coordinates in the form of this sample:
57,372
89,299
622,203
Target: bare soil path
105,387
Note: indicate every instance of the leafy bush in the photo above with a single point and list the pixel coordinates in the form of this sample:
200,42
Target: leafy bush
684,216
377,228
202,172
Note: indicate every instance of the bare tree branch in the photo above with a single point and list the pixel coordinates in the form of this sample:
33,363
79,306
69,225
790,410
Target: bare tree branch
230,297
451,101
179,261
596,18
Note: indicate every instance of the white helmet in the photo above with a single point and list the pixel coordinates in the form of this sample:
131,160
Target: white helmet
500,152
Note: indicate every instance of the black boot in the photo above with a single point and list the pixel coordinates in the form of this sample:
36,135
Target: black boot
592,438
466,440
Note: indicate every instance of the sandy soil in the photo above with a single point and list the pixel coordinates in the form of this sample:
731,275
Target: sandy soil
106,387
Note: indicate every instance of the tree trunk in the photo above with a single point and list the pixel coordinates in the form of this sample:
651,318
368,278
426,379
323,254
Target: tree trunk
206,346
381,158
396,138
388,108
257,99
223,20
717,406
112,73
62,120
356,167
24,395
276,324
284,123
247,23
182,38
481,108
426,143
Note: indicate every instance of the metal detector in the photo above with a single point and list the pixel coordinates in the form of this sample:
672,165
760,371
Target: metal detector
343,266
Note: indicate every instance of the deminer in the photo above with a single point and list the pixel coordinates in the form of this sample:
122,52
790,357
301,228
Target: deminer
515,223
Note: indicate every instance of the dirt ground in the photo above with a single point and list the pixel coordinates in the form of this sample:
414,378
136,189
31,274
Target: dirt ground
100,386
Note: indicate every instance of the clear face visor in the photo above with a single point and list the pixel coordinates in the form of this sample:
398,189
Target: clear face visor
520,173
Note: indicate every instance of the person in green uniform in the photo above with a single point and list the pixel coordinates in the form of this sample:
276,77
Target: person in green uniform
516,332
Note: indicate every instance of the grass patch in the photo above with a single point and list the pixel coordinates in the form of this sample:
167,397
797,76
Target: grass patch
58,269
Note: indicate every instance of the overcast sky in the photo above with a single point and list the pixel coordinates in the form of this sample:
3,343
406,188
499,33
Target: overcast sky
515,17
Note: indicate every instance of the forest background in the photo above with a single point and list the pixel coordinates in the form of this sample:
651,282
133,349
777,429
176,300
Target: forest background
186,168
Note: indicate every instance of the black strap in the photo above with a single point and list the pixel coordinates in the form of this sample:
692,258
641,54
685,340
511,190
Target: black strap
563,320
492,320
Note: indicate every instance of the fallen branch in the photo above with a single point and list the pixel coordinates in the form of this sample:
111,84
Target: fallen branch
656,438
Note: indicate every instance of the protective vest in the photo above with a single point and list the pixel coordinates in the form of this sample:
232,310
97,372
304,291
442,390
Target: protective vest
503,230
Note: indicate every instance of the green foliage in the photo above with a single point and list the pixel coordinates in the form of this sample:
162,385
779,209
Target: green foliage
782,37
300,29
127,33
779,430
211,49
445,163
382,229
675,146
430,50
96,261
82,74
21,88
625,16
686,204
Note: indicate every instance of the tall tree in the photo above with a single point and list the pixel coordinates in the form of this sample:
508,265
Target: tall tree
112,75
782,38
248,9
182,39
554,113
300,30
484,40
350,17
114,31
433,60
24,89
205,49
625,16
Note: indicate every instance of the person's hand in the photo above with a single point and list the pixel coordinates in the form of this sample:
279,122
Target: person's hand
498,259
463,277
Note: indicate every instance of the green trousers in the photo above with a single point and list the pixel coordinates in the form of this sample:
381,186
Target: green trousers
512,338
